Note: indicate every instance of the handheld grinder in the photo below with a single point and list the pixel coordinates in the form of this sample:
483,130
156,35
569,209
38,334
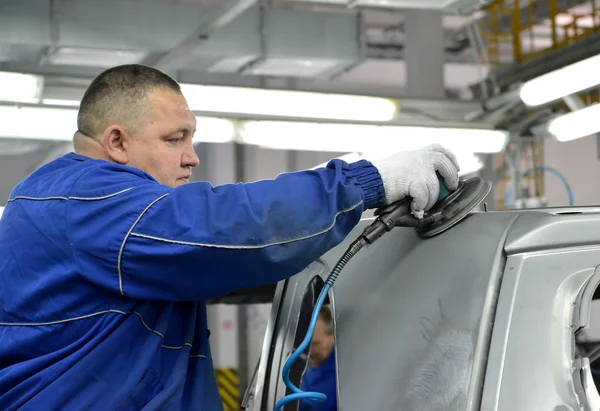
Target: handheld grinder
449,210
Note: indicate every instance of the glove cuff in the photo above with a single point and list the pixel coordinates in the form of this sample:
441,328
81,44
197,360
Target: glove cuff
366,177
394,181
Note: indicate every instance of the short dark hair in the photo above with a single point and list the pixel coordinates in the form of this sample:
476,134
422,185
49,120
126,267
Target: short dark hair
120,95
326,316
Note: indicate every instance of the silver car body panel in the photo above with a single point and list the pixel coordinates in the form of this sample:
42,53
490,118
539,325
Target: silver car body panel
481,317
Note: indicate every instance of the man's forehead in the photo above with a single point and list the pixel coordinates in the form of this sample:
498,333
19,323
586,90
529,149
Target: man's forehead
170,99
192,122
185,127
173,105
186,115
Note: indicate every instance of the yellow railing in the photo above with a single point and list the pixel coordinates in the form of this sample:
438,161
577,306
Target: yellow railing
531,158
520,30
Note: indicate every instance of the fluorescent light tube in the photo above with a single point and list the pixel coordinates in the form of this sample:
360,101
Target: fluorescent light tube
60,102
469,163
563,82
249,101
365,138
77,56
213,130
44,123
20,88
39,123
576,124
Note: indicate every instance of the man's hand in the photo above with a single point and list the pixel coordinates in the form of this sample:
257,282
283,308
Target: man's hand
413,174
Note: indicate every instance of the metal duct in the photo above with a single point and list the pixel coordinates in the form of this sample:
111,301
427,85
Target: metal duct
466,6
273,42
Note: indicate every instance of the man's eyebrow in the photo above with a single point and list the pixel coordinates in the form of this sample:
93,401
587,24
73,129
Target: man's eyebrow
183,130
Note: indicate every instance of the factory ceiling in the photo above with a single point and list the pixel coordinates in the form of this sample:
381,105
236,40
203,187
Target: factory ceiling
349,46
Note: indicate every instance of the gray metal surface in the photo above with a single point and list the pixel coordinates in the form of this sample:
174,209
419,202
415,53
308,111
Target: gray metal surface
532,362
481,317
538,230
546,291
408,315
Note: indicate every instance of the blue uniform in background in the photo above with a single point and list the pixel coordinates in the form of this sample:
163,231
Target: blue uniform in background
321,379
104,273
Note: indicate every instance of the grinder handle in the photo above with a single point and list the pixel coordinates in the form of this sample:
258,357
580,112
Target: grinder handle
444,192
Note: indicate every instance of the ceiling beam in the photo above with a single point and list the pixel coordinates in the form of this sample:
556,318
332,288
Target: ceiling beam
180,54
413,112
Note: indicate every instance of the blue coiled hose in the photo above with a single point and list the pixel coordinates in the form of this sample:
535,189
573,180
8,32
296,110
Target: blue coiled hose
544,169
297,393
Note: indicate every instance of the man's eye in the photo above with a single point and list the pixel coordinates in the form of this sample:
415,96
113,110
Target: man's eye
175,140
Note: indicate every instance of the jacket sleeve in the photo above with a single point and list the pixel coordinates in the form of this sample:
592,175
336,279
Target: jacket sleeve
197,242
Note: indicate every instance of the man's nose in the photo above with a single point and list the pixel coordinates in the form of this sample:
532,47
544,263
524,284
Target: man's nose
190,158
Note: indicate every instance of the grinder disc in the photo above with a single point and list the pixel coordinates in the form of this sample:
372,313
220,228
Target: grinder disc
455,207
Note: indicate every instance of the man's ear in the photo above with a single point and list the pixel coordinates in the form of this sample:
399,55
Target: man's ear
115,144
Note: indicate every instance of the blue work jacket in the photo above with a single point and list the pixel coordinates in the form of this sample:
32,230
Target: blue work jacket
104,273
321,379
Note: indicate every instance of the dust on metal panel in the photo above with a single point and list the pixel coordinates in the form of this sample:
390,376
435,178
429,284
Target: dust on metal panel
408,315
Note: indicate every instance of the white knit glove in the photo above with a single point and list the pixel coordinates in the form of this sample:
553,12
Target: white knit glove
413,174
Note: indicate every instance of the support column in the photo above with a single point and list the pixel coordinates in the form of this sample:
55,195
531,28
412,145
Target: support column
488,173
263,163
301,160
57,150
257,164
424,54
217,163
217,166
223,321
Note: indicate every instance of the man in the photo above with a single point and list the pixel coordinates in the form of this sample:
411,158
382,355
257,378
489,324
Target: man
107,255
320,375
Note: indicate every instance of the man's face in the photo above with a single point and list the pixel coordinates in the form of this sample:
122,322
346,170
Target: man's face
321,345
163,147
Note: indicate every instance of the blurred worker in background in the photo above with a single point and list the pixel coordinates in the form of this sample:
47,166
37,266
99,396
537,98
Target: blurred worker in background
107,255
320,375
